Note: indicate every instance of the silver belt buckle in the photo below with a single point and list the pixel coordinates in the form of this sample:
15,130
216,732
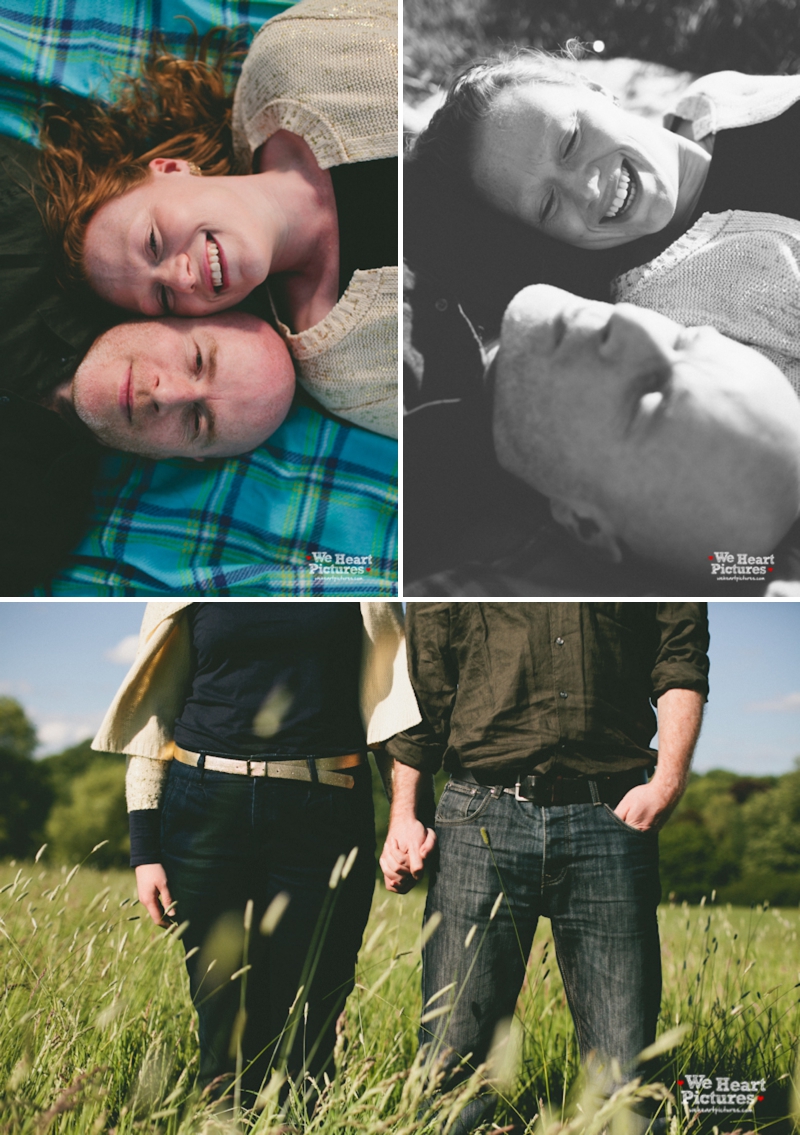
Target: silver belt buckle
532,781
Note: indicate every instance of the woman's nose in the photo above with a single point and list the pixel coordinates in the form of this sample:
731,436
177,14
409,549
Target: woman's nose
180,276
586,185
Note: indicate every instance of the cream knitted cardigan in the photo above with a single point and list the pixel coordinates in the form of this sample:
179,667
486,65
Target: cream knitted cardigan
140,720
328,73
738,272
726,100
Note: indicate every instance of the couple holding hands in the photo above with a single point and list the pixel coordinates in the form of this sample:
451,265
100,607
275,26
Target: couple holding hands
247,727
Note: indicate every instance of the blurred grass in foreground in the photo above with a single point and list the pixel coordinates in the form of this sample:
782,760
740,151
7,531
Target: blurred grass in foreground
98,1034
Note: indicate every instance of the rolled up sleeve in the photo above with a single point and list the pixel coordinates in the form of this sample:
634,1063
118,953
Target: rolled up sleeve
682,650
434,676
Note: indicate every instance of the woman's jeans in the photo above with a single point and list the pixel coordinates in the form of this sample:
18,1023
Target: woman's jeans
595,877
227,839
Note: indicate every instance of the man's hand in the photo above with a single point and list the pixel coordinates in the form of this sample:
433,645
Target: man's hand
648,806
645,807
408,844
151,880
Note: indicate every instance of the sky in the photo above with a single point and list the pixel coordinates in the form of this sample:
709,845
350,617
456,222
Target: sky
63,661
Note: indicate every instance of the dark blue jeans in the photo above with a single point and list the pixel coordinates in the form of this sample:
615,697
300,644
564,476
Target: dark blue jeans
595,877
227,839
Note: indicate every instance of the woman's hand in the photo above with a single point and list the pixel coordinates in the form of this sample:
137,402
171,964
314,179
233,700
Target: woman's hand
151,880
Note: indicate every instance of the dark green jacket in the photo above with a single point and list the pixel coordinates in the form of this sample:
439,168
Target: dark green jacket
546,687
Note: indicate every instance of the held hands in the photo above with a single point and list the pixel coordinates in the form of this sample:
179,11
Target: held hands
151,880
646,807
408,845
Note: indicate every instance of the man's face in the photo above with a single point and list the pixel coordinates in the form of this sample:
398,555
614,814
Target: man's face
197,388
677,436
566,160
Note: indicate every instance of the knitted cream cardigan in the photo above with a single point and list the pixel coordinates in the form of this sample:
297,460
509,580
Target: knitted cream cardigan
328,73
736,271
141,718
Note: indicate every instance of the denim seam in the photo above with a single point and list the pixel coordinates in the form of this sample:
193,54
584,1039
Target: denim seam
439,821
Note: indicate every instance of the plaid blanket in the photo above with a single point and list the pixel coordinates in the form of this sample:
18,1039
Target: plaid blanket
311,512
314,510
80,45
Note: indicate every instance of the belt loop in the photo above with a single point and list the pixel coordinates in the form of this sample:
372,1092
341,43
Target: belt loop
201,761
595,794
312,770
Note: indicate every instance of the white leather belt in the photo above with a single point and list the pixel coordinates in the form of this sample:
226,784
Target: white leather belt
321,769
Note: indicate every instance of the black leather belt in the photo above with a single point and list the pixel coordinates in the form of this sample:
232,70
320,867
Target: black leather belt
555,790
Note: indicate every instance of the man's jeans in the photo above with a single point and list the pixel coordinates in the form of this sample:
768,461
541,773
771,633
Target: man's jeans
595,877
227,839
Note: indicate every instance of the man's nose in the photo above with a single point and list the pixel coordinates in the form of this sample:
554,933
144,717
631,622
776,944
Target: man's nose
625,333
169,391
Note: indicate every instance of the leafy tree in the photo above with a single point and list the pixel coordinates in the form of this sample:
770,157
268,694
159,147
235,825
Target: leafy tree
687,858
25,794
17,734
772,828
93,811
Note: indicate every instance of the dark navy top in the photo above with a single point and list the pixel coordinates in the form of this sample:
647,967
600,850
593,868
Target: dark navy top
294,666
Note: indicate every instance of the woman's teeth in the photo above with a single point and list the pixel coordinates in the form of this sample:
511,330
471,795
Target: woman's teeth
214,264
624,186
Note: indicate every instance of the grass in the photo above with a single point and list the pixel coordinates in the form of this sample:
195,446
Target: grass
99,1035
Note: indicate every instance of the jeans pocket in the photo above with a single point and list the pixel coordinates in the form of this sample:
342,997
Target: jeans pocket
461,803
627,827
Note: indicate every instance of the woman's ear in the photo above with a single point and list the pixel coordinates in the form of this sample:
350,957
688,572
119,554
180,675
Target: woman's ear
589,525
169,165
601,90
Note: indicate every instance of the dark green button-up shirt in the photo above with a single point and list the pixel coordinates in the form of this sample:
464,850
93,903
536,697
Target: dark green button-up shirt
566,688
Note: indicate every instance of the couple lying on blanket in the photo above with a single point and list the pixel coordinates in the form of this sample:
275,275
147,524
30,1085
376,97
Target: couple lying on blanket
174,205
663,429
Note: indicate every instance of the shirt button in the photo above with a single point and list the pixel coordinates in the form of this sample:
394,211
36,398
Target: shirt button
563,694
559,642
441,305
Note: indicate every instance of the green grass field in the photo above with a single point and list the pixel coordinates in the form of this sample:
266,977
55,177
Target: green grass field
98,1034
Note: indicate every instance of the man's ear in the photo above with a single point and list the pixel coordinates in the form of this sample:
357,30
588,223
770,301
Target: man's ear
590,525
169,165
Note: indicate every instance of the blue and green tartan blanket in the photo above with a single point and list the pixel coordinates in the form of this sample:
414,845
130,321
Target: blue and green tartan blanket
313,511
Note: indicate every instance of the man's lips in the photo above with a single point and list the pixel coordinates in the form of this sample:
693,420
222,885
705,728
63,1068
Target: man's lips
126,395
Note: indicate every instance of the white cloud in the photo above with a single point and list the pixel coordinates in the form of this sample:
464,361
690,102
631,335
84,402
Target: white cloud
15,689
125,651
57,733
789,703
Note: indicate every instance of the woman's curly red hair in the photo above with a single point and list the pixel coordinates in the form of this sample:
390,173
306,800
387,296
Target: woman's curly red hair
93,152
